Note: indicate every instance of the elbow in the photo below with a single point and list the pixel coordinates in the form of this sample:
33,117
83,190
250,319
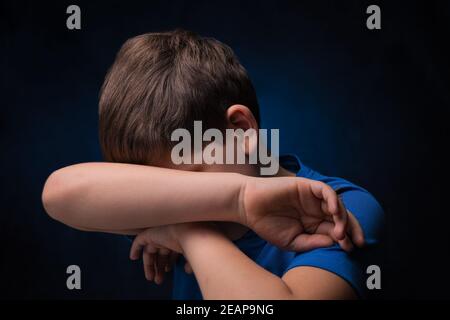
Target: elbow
60,192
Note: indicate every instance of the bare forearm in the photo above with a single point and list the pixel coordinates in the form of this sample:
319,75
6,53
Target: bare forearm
224,272
109,196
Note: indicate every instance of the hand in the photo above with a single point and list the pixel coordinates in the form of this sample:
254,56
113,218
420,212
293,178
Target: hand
159,247
298,214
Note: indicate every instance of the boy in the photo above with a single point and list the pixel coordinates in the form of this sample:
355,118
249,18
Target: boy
242,235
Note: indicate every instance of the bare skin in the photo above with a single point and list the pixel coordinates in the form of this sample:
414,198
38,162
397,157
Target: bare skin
161,201
280,209
210,253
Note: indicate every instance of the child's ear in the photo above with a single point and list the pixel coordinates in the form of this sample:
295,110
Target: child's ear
240,117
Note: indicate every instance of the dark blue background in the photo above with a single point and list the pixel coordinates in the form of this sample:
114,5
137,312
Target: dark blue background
370,106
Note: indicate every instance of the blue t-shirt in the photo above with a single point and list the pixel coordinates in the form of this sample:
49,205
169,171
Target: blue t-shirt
349,266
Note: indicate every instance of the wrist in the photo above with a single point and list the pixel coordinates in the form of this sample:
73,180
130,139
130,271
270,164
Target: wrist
241,210
182,231
186,233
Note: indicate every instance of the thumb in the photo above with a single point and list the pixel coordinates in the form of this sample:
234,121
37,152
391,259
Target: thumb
306,242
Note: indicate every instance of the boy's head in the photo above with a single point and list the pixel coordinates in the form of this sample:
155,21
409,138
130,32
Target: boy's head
160,82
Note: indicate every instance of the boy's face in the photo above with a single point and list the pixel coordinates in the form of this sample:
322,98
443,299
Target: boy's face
246,169
239,149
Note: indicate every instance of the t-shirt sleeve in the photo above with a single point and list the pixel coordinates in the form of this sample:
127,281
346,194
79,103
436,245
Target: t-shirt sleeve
350,266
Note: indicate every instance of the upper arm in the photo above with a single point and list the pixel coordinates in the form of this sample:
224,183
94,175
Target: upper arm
311,283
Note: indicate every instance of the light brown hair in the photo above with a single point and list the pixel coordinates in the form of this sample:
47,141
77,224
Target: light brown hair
163,81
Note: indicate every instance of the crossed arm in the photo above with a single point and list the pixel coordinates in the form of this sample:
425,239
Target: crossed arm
292,213
124,199
220,268
224,272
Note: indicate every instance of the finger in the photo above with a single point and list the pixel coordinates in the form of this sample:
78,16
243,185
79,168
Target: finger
324,192
161,263
148,261
346,244
306,242
164,259
355,230
172,260
136,247
327,228
159,273
328,216
340,221
150,248
331,205
188,268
